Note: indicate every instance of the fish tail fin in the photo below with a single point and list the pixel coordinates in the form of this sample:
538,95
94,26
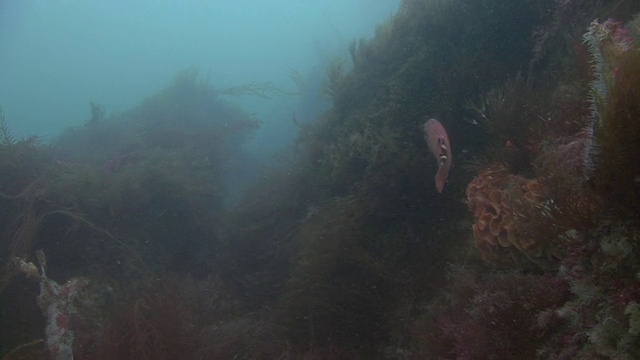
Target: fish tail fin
439,182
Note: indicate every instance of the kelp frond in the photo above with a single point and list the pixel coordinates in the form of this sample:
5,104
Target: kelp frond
265,90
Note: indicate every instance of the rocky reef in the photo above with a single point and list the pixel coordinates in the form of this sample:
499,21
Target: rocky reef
345,250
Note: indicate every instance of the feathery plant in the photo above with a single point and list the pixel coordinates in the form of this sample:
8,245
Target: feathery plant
6,138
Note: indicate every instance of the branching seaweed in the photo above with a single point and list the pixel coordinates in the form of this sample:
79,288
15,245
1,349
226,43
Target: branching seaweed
5,134
513,125
298,80
97,113
334,78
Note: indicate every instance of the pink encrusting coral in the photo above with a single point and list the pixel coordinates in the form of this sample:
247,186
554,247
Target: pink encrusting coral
502,203
57,303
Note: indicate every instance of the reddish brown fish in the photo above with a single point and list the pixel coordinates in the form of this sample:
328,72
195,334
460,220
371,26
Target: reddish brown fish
436,137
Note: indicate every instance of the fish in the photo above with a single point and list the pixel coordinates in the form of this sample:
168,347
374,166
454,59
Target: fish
436,137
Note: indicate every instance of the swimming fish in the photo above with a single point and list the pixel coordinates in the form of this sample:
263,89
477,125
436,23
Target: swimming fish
436,137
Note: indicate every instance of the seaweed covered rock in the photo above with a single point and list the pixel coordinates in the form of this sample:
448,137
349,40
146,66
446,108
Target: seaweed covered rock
146,199
337,252
121,200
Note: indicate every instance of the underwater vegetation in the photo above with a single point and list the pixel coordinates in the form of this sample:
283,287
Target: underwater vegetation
345,250
615,99
143,199
480,312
